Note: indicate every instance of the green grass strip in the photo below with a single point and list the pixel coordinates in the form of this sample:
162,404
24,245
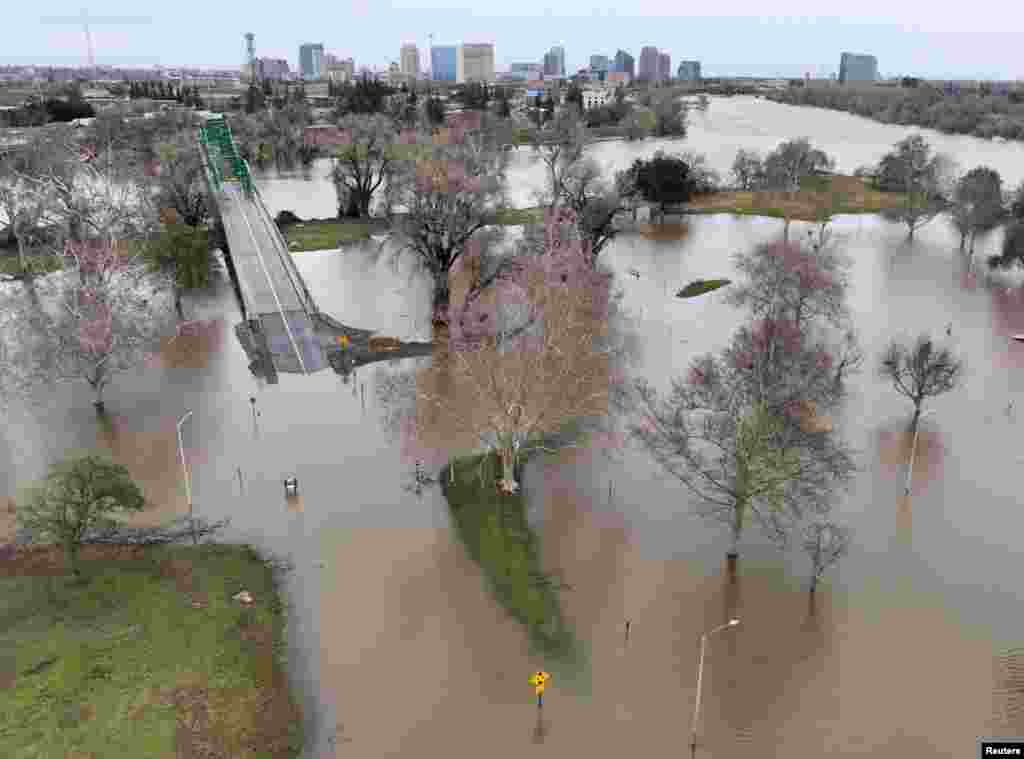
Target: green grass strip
497,536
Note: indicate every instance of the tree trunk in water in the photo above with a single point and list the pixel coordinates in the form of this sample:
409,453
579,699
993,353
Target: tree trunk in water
21,253
917,415
441,299
973,236
814,583
177,302
734,549
508,467
98,402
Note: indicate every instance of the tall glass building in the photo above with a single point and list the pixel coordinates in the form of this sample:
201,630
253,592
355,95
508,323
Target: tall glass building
857,68
311,60
442,63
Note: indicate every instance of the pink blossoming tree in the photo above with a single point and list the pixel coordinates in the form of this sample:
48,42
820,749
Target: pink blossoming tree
102,315
526,359
442,195
742,430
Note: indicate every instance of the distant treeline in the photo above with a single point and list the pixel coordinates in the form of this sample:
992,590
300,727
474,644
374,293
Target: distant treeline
41,112
981,114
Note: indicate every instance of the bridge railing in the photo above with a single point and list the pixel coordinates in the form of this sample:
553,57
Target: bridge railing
298,283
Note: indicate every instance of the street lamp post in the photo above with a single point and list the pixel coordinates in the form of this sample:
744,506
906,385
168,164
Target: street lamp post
184,471
700,680
913,451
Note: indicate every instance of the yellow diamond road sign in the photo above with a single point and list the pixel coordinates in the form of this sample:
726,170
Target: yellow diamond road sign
539,679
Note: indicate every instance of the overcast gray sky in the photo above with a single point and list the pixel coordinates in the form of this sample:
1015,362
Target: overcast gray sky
913,37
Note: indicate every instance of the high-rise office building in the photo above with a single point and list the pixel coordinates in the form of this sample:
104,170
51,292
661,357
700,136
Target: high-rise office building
554,62
442,63
664,67
624,63
689,71
311,57
857,68
550,64
599,63
474,62
410,59
524,71
647,69
342,71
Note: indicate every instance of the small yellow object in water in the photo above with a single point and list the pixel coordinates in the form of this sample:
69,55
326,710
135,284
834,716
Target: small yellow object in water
343,341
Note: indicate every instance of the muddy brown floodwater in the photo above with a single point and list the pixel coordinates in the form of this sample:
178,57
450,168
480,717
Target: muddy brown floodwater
398,649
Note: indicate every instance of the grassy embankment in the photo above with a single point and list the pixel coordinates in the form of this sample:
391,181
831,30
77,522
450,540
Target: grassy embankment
323,234
497,536
150,658
837,194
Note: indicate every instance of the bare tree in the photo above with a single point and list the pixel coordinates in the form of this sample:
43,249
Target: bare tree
787,281
825,543
791,161
924,178
526,360
560,145
732,455
747,170
743,430
105,314
362,162
25,211
977,204
442,197
89,197
921,370
179,177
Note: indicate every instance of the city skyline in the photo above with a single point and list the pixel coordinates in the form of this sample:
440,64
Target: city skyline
726,46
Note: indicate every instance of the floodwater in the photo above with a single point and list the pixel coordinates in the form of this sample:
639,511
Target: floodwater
400,650
730,123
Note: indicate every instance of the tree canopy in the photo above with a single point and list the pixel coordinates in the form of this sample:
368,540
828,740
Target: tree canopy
78,494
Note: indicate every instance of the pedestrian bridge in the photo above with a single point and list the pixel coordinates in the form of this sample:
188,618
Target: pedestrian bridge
277,307
284,331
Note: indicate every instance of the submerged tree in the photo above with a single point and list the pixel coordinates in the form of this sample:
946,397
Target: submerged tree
786,166
106,313
826,543
1012,254
527,357
733,455
179,178
363,161
977,204
922,177
744,429
808,286
921,370
444,193
747,170
184,253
